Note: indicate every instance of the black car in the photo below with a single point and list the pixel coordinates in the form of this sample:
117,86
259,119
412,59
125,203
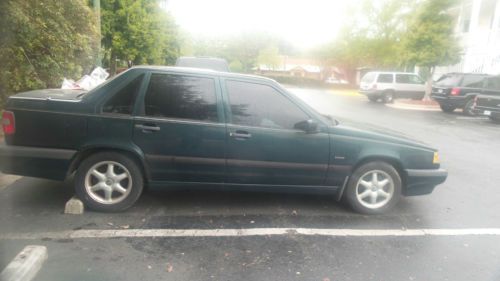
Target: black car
458,90
488,103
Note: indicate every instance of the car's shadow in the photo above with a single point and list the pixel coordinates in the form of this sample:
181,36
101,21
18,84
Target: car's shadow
43,201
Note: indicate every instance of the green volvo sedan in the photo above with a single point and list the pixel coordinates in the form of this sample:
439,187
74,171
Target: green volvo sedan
170,126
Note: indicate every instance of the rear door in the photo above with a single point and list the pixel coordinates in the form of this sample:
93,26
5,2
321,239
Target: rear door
180,128
263,147
491,94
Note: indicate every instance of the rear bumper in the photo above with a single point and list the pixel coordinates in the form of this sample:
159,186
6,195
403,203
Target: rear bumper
49,163
420,182
487,111
451,101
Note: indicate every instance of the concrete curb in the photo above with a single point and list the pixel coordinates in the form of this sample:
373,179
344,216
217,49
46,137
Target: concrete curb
26,264
6,180
413,107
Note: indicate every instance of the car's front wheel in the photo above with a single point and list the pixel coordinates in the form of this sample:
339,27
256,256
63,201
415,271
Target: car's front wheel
373,99
388,97
109,182
373,188
468,108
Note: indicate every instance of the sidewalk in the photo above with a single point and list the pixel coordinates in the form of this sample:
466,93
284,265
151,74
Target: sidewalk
424,105
6,180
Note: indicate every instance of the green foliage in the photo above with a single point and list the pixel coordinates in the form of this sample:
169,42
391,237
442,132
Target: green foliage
137,32
44,41
236,66
269,56
430,40
244,48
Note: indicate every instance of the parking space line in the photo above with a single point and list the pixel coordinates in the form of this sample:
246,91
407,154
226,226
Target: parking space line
141,233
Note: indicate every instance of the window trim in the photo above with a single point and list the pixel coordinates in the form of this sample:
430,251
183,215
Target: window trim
116,90
227,104
141,111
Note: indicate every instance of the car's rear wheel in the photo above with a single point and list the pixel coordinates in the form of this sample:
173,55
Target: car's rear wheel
495,119
447,108
374,188
109,182
468,108
388,97
373,99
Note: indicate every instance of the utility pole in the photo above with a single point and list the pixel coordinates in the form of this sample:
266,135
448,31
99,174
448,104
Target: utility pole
97,9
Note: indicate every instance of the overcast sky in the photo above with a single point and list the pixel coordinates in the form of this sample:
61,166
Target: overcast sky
304,23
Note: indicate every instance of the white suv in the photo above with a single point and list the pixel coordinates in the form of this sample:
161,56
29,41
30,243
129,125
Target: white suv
387,86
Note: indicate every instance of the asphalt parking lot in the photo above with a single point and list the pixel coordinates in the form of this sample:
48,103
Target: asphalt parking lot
469,148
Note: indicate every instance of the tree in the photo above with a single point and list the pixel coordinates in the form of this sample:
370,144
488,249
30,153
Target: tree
43,41
269,56
137,32
430,40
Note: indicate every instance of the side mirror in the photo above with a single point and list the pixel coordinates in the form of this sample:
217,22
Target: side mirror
309,126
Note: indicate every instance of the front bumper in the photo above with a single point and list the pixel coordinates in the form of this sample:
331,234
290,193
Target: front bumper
420,182
38,162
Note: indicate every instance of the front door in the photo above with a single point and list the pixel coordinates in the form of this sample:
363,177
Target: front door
263,147
180,129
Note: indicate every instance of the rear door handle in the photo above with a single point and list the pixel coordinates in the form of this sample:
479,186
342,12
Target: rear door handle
147,128
240,135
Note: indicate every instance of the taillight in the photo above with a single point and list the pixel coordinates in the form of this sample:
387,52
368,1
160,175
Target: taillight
8,123
455,91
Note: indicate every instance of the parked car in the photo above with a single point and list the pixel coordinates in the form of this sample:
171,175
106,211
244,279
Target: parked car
387,86
457,90
216,64
488,102
167,125
336,81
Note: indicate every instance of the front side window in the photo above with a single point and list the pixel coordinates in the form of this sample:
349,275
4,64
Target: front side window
181,97
123,101
260,105
385,78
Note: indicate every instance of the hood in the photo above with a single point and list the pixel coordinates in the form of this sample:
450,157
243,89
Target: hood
377,133
52,94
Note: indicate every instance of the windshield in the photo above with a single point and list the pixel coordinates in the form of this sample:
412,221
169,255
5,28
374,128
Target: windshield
449,80
369,77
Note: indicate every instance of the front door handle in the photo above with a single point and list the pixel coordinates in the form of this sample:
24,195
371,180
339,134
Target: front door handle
148,128
240,135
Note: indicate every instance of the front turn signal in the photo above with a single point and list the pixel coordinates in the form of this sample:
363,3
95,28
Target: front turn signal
435,160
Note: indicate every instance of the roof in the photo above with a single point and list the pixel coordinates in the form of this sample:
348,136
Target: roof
203,71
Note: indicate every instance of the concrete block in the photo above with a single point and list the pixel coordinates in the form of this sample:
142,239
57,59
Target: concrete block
26,264
74,206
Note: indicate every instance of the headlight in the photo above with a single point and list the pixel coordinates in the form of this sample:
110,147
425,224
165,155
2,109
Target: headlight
435,160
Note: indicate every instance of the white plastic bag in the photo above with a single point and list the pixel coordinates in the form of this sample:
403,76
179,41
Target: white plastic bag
87,82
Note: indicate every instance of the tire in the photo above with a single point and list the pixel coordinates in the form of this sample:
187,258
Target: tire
467,110
388,97
495,120
124,185
447,108
356,189
373,99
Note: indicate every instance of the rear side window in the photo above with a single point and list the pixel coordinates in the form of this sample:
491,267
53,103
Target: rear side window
473,81
123,101
408,79
385,78
449,80
260,105
181,97
493,83
369,77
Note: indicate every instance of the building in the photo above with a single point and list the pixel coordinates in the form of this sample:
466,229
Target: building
292,67
478,29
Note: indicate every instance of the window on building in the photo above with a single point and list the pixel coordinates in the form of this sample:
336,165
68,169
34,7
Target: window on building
182,97
123,101
465,16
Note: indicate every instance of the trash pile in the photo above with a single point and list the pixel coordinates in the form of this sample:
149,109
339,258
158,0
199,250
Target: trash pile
87,82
